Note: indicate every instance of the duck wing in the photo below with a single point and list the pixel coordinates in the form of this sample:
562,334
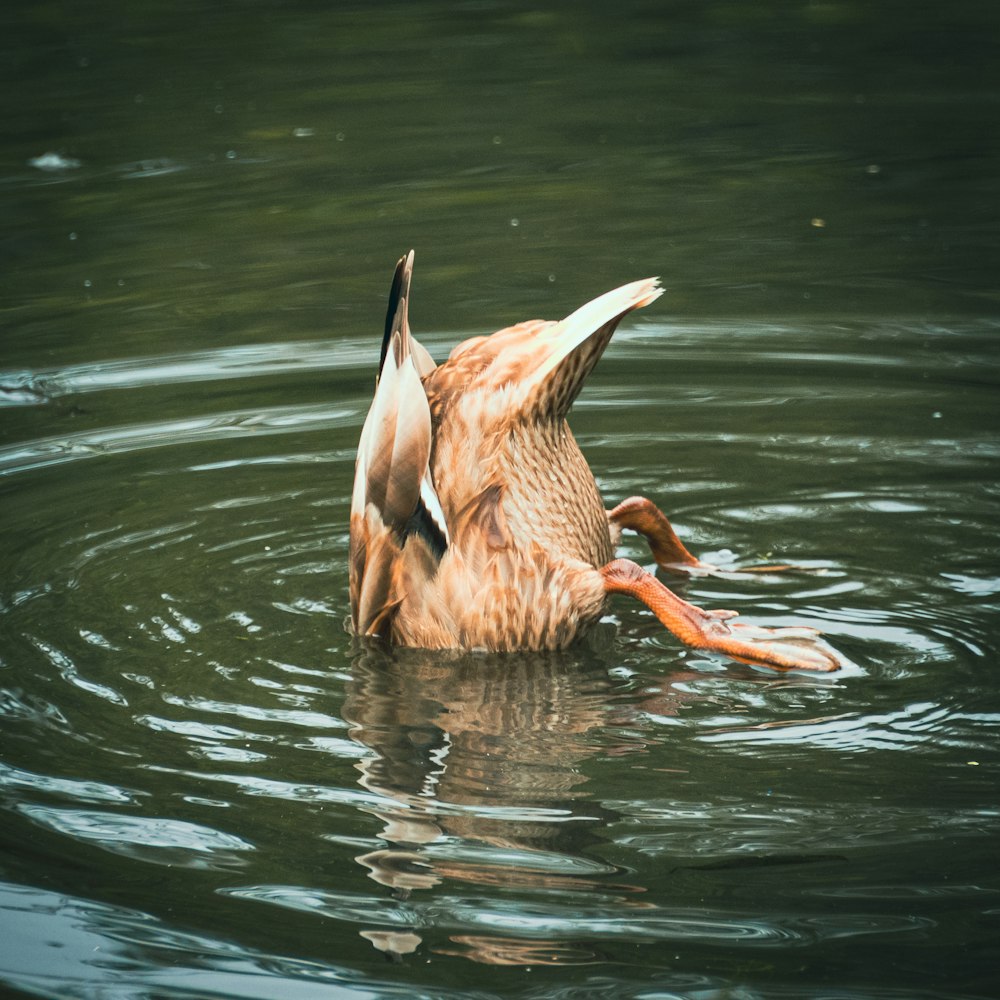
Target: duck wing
394,497
540,365
552,374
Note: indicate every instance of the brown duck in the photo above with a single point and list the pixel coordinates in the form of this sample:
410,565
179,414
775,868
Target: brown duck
476,522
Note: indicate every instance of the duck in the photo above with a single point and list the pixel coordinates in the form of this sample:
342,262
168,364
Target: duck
476,522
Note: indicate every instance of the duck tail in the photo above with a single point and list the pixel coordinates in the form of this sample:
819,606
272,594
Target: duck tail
397,325
393,496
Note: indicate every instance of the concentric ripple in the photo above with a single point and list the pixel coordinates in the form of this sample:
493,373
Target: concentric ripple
186,717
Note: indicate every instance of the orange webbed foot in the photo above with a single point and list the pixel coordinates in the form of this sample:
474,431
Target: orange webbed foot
778,648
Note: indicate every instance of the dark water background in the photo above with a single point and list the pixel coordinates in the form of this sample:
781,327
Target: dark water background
208,789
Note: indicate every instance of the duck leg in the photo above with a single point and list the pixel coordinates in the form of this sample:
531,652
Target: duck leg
644,517
779,648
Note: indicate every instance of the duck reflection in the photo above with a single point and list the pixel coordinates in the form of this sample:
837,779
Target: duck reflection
480,756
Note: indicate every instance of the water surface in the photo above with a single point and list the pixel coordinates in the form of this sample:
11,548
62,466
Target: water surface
210,789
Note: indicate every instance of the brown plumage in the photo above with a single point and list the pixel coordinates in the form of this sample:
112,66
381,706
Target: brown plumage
476,522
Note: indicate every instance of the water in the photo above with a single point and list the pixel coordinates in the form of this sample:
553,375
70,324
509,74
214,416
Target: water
209,789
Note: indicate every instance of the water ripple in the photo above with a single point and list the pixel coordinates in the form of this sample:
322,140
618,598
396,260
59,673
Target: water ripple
536,921
285,717
82,947
76,790
172,626
45,452
691,833
69,672
158,840
921,722
252,361
906,892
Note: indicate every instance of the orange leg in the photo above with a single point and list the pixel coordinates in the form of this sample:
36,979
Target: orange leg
643,516
780,648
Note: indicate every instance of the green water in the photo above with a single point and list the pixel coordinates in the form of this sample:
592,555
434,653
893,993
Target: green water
209,790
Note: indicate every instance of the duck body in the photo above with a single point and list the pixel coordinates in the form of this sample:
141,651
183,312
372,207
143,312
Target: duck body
476,522
502,546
